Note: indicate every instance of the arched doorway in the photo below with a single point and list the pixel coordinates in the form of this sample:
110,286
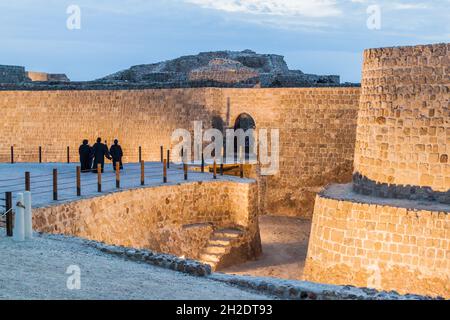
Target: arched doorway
245,122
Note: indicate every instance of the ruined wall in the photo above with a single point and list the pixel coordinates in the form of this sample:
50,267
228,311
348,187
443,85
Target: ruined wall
380,246
317,128
176,219
12,74
43,76
403,135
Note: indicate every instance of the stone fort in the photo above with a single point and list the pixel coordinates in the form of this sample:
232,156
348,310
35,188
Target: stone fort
368,164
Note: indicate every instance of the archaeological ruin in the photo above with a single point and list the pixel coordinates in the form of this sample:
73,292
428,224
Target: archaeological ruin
368,164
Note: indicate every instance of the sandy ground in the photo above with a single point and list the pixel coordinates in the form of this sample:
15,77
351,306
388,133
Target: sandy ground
37,270
285,245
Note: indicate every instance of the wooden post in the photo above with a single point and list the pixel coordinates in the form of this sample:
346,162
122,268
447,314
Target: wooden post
142,173
99,177
185,168
165,171
140,154
162,154
215,169
221,162
168,159
68,154
40,154
9,216
118,175
12,154
241,165
27,181
79,181
55,184
203,163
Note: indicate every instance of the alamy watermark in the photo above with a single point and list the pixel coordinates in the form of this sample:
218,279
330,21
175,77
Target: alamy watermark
74,280
374,19
73,22
238,146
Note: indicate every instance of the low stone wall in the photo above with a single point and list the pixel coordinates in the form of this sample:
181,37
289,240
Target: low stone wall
174,219
382,246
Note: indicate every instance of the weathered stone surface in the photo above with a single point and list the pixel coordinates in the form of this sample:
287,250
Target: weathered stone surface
160,219
300,290
223,67
43,76
12,74
403,127
381,246
317,129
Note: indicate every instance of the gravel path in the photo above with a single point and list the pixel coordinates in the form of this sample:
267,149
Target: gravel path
37,270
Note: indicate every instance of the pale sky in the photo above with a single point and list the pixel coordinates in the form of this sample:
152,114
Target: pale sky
315,36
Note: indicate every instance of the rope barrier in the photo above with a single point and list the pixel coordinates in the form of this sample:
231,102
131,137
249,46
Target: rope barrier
5,213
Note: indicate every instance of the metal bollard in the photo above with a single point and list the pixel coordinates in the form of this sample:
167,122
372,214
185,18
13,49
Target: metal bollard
28,216
19,219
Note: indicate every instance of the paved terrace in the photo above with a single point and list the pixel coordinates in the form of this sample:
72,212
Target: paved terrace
12,179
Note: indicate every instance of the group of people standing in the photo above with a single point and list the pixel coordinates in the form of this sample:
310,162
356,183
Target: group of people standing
97,153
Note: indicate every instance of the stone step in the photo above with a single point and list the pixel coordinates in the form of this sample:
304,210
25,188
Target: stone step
220,241
209,258
218,250
228,233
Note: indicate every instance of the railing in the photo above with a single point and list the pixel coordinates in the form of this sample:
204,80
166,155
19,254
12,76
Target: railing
77,180
59,184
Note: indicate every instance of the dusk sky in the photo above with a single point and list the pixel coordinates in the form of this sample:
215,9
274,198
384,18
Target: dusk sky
315,36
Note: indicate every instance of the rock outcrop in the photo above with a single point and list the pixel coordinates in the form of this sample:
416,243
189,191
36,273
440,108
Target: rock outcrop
244,68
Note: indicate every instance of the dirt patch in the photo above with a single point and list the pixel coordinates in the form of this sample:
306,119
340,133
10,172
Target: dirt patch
285,245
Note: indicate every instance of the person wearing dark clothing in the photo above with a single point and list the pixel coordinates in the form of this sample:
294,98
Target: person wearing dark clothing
100,151
116,154
85,151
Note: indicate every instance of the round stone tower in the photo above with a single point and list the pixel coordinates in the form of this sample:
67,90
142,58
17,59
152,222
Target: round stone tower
389,230
403,136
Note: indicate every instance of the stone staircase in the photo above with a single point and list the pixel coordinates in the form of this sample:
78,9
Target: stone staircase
219,246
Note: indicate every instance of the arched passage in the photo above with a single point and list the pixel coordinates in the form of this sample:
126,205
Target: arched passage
245,122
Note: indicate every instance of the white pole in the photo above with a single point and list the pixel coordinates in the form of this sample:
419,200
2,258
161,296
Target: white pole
28,216
19,223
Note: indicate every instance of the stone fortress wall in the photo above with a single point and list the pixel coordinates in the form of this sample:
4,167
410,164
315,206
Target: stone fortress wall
317,129
392,231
